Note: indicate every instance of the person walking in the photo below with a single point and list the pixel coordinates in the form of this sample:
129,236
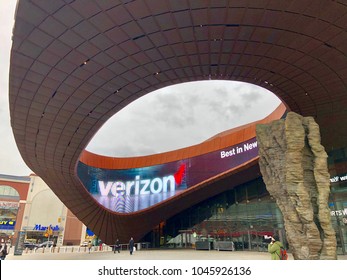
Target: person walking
116,246
3,252
89,246
274,248
131,245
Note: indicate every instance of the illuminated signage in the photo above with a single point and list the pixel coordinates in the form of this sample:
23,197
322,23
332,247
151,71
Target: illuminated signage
138,187
7,224
44,228
131,190
338,178
339,212
239,149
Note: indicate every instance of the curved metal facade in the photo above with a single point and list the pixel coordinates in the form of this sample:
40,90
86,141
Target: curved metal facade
74,64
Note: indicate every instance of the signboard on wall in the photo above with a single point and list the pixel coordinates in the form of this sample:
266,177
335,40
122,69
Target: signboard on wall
7,224
9,205
338,178
131,190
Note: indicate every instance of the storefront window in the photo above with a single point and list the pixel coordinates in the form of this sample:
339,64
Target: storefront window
337,161
247,213
243,216
9,203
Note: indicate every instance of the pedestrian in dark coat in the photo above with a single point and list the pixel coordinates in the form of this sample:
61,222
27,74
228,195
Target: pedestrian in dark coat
131,245
116,246
3,252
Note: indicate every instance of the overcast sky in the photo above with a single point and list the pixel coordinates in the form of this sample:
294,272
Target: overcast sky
181,115
164,120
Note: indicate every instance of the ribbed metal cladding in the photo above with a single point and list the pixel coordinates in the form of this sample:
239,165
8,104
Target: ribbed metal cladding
74,64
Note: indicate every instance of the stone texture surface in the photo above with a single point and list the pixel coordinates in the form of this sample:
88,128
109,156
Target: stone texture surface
294,168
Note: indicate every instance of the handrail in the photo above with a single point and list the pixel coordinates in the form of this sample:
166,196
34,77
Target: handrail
80,249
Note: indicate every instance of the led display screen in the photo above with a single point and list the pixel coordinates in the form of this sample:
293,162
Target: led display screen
131,190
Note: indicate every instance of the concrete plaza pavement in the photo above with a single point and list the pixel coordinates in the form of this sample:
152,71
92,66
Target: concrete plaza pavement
178,254
149,254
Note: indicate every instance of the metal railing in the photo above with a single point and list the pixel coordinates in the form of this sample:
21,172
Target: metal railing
80,249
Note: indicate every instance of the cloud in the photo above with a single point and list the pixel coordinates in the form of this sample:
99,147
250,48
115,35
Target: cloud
182,115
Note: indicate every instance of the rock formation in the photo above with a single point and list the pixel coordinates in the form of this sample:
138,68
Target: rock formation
294,168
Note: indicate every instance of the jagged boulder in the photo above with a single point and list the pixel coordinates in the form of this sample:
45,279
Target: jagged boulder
294,167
